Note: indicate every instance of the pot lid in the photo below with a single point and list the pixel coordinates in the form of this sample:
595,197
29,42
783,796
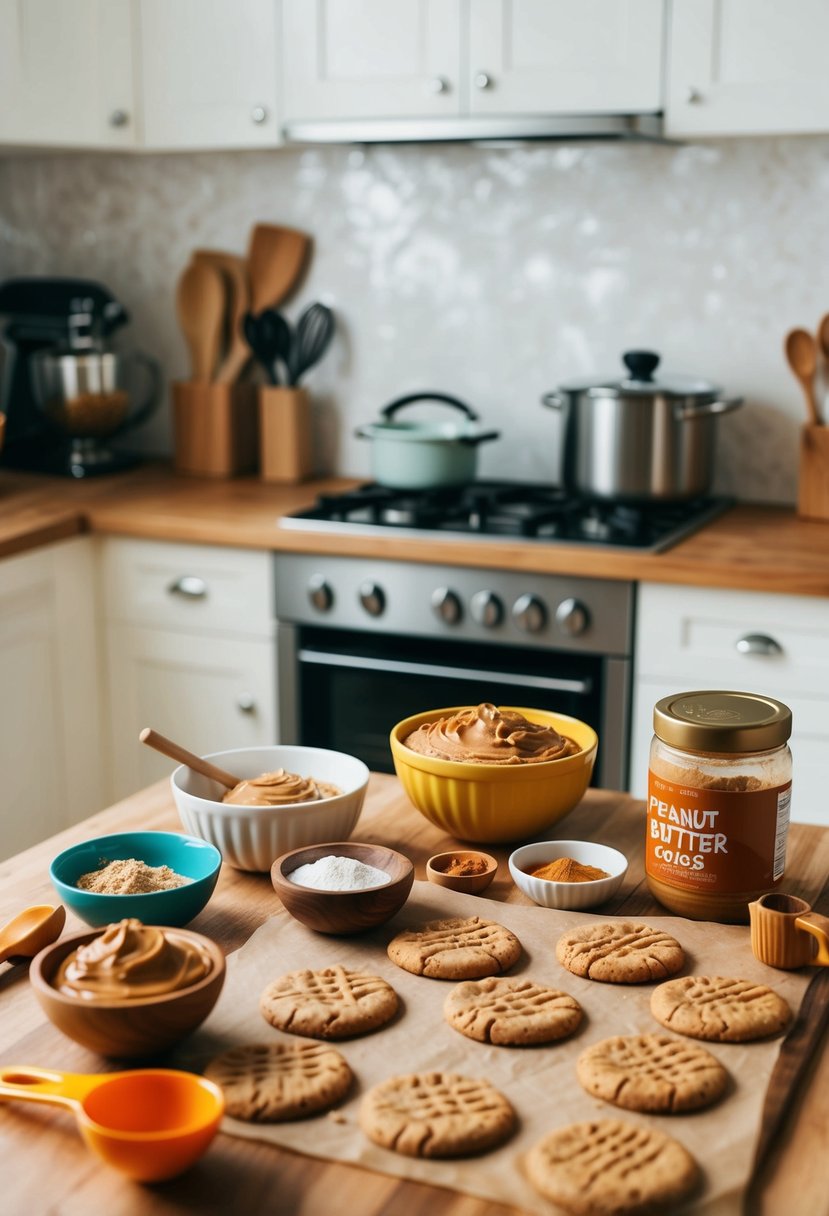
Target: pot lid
420,431
641,381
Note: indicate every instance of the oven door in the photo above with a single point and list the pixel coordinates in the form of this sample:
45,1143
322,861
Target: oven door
345,690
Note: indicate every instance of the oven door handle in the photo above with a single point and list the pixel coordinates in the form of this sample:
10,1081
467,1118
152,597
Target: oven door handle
401,668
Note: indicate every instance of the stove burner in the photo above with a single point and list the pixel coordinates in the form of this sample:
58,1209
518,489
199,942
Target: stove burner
511,509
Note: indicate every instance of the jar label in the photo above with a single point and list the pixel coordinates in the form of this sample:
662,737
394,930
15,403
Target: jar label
716,840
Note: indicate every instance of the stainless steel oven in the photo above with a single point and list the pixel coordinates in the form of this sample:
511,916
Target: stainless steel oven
364,642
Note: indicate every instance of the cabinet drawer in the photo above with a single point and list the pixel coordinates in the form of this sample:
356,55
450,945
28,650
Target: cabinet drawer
188,587
775,644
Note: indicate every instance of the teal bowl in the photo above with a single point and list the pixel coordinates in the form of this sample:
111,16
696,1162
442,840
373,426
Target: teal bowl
187,855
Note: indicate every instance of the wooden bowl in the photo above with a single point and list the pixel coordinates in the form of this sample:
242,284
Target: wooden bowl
342,912
437,866
126,1029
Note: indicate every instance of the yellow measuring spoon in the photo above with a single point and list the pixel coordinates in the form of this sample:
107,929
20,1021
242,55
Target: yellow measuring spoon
32,929
152,1123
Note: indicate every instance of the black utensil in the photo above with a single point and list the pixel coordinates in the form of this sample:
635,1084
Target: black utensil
269,337
314,331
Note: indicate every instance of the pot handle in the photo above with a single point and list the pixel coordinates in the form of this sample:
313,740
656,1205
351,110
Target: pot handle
686,413
554,400
389,410
472,441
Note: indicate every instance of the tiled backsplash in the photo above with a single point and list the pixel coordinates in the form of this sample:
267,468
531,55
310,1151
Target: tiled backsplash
490,272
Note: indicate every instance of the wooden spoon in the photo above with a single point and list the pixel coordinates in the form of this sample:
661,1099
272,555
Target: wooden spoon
176,752
277,258
801,353
28,932
200,301
235,272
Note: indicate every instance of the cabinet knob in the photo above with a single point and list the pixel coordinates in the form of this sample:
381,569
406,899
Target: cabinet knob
119,118
758,643
446,605
373,598
246,704
486,609
189,587
483,80
437,84
259,115
529,613
693,96
572,617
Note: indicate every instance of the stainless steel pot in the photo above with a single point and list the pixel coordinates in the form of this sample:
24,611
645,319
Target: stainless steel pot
422,455
638,438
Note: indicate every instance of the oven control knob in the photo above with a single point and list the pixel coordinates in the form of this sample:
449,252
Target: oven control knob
486,609
373,598
320,593
572,617
446,606
529,613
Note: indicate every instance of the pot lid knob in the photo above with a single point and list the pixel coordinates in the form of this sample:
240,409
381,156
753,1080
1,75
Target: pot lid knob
641,363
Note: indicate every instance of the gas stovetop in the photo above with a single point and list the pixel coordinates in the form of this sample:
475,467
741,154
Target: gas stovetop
487,510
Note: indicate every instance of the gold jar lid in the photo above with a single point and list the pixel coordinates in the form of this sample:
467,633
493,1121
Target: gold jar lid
713,721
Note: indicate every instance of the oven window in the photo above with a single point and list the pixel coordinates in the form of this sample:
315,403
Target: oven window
353,687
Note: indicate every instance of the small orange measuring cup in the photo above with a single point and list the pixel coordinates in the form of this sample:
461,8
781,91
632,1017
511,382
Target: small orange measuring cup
152,1123
787,934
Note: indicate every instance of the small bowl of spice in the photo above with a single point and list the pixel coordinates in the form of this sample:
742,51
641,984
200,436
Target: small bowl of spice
572,875
342,887
160,878
462,870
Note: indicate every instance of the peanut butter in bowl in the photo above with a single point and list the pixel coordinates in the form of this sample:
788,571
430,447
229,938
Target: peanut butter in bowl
279,788
130,960
484,734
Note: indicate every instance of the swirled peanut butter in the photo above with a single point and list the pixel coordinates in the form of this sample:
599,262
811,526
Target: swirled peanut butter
279,789
486,735
130,960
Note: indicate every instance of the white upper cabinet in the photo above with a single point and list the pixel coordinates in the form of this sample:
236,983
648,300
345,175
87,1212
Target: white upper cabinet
208,73
554,56
66,73
748,67
370,59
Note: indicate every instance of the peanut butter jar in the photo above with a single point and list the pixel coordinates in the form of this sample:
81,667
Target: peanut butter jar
719,791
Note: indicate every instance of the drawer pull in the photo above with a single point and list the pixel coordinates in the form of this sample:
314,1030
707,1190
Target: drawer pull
246,704
758,643
189,587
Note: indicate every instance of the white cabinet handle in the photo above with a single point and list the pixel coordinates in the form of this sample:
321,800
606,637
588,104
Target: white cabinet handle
483,80
693,96
758,643
438,84
259,114
189,587
246,704
119,118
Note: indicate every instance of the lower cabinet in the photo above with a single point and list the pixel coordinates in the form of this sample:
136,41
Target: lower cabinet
778,645
53,746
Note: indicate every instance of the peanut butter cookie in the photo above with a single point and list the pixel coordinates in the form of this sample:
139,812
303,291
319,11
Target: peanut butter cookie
436,1115
620,952
457,949
328,1004
511,1012
275,1082
720,1009
652,1072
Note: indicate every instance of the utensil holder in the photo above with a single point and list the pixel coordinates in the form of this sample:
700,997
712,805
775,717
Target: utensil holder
215,428
286,447
813,485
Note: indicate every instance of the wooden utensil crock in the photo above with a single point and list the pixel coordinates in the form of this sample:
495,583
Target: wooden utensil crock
215,428
813,485
286,446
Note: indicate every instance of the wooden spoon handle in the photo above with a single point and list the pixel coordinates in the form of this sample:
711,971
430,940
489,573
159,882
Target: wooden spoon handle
808,384
176,752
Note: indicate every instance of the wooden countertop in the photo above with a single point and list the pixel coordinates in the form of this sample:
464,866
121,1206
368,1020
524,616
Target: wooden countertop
755,548
44,1164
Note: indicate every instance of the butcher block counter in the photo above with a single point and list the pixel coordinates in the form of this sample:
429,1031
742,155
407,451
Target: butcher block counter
752,548
46,1167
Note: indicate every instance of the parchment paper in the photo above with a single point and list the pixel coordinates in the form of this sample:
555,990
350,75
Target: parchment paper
540,1082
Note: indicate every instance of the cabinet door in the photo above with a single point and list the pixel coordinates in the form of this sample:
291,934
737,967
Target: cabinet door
554,56
66,73
207,692
370,59
208,73
748,67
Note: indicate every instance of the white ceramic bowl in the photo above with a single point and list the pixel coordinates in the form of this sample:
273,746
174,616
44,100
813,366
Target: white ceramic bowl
569,896
251,838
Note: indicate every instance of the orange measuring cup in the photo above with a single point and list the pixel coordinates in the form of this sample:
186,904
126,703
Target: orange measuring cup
787,934
152,1123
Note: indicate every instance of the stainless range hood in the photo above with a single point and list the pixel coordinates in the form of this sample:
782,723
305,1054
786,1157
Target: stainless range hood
641,127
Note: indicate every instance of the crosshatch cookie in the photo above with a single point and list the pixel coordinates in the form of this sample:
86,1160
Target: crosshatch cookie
620,952
720,1009
609,1168
436,1114
456,949
652,1072
511,1012
275,1082
328,1004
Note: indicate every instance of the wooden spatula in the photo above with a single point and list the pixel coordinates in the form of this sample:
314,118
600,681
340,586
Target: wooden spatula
175,751
235,271
277,258
200,301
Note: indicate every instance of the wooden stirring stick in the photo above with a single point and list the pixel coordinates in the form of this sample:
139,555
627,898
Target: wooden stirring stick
801,353
176,752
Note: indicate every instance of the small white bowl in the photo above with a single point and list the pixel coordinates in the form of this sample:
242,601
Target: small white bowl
569,896
251,838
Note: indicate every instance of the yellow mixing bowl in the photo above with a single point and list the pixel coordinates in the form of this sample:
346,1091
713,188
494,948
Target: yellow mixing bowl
491,803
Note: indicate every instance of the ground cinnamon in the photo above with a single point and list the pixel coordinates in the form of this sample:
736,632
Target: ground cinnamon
566,869
464,867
